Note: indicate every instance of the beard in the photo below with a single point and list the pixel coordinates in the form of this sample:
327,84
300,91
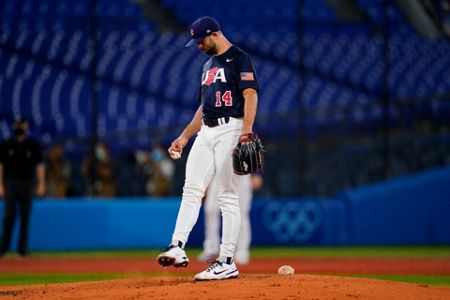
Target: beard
210,49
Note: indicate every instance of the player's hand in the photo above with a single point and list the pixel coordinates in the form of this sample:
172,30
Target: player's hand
244,137
2,190
178,145
40,190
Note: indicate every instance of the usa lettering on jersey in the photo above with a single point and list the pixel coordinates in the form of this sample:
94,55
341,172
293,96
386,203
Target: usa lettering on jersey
214,74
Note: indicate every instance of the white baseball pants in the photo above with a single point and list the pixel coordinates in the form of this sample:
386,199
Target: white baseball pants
211,155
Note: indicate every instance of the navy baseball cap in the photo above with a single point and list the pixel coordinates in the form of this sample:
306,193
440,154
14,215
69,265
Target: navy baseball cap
201,28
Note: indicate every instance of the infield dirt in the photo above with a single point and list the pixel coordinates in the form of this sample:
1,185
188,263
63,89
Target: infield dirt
257,281
248,286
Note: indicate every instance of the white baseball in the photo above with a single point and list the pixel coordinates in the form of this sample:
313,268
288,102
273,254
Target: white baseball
286,270
175,154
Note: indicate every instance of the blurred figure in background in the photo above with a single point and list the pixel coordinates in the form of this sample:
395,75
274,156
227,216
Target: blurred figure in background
248,184
439,10
20,162
97,169
158,170
446,16
58,172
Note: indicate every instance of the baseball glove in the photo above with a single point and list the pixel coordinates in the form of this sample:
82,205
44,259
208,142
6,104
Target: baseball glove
248,155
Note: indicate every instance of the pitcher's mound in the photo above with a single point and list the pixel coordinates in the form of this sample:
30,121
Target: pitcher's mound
254,286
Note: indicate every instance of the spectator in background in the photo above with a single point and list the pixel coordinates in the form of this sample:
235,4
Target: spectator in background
445,4
58,172
97,169
157,169
20,161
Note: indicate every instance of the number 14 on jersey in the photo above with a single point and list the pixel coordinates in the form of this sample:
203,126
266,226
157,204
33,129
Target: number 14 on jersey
226,98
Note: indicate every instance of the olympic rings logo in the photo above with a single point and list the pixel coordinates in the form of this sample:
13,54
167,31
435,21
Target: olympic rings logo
292,221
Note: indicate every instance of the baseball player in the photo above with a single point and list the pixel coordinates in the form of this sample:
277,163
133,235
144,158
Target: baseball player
227,108
248,184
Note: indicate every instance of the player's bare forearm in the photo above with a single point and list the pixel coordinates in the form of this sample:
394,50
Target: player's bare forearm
195,125
250,107
40,178
192,128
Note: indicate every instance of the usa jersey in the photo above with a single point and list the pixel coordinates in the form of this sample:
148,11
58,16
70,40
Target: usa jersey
224,77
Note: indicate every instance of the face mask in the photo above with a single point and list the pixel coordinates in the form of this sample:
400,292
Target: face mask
157,155
19,131
100,153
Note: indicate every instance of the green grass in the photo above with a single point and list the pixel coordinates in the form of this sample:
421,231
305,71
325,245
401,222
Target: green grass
49,278
26,279
401,251
441,280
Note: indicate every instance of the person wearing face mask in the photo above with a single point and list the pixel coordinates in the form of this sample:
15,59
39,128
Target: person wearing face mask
163,170
58,173
157,170
98,171
20,162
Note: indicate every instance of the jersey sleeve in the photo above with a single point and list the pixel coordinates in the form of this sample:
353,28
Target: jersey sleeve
247,73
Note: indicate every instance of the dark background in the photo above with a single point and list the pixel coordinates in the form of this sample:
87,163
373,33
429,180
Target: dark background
353,91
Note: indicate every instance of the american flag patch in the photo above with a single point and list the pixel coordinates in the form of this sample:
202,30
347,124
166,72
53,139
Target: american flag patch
247,76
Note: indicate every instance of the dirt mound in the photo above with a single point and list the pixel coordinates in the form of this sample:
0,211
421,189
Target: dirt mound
248,286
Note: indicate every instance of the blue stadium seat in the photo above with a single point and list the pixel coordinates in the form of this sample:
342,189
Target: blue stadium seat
147,77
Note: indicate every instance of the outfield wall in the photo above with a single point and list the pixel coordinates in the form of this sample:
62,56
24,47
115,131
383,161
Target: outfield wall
412,210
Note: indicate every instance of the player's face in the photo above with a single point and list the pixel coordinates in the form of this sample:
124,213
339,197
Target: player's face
208,46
